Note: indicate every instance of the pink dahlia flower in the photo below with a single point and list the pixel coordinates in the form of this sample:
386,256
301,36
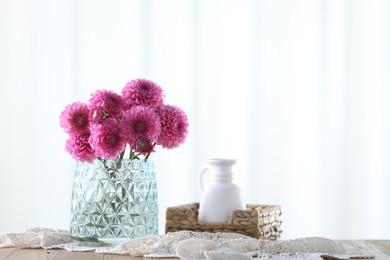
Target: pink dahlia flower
106,139
105,104
75,119
143,145
141,121
80,149
174,126
142,92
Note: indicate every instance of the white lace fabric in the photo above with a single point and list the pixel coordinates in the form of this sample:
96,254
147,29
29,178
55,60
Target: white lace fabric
186,245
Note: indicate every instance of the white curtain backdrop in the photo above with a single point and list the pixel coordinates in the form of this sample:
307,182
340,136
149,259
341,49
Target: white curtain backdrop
298,91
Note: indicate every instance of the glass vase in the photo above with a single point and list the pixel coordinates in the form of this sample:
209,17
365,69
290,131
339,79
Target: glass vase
113,201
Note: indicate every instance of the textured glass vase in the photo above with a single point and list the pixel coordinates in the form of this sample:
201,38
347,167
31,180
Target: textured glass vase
113,201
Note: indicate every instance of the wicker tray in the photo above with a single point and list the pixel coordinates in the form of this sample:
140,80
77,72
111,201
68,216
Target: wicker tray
258,221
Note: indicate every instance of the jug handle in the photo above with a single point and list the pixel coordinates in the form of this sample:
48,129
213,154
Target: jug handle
201,179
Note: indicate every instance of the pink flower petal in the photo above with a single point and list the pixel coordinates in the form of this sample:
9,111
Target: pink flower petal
174,126
106,139
79,148
75,119
142,92
141,121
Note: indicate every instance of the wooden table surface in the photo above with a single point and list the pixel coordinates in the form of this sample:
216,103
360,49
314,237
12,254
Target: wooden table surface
379,248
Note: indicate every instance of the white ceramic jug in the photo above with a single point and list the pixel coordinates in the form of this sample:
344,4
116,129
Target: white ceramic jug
221,196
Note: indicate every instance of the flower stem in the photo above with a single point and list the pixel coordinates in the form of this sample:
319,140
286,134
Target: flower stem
119,159
121,155
102,160
133,155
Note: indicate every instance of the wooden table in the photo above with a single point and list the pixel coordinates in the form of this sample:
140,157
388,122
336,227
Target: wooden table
379,248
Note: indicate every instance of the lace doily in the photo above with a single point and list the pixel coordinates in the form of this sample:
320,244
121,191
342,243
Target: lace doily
186,245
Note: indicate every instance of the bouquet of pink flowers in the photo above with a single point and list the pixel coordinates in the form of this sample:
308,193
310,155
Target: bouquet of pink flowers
103,127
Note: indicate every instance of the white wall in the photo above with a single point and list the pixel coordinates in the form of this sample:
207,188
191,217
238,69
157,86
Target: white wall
298,91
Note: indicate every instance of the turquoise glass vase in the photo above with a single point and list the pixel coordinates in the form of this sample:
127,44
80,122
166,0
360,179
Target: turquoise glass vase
113,201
